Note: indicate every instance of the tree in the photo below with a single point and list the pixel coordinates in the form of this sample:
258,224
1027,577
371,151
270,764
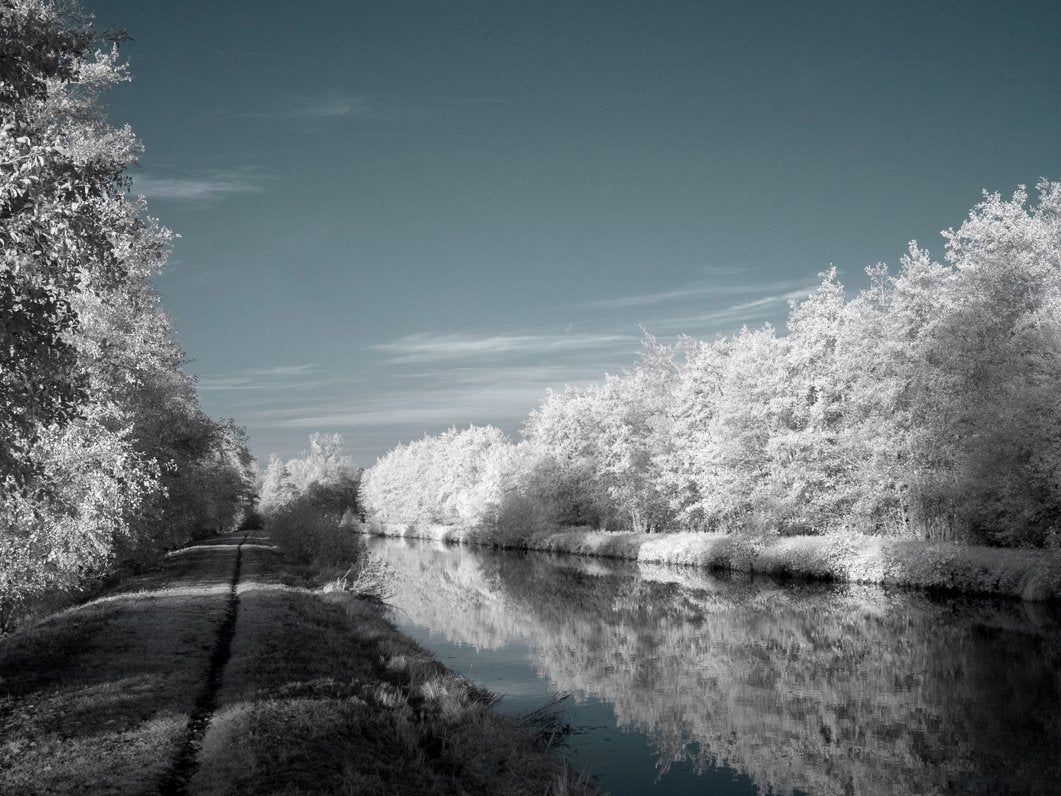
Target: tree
634,438
325,473
277,487
811,453
561,437
325,463
997,361
106,452
458,477
40,234
725,414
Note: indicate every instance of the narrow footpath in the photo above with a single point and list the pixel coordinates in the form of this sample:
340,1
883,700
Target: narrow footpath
224,672
176,781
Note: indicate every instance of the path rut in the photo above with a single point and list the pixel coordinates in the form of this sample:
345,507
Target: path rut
184,766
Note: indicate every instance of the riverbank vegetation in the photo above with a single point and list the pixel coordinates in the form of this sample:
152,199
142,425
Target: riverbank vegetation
106,455
922,409
843,556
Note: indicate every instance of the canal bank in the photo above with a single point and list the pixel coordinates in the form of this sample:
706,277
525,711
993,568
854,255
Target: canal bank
1033,575
224,672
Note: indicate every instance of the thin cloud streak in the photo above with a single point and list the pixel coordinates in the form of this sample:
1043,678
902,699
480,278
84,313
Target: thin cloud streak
685,294
344,106
182,189
478,397
737,313
447,407
428,347
288,376
356,106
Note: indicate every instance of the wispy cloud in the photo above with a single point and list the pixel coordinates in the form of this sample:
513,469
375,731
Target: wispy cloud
433,399
690,293
258,379
357,106
197,189
453,405
429,347
327,106
744,312
650,299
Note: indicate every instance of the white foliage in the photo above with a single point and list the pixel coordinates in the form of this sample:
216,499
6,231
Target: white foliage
924,406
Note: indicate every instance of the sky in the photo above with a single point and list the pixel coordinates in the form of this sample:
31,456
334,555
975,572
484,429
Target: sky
397,217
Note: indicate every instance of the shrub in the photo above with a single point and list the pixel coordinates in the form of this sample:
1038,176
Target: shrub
308,536
521,517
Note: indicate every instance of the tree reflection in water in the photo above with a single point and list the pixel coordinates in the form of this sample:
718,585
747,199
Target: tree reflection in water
821,688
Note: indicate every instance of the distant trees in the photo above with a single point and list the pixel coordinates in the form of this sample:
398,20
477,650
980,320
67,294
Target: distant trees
324,470
457,477
924,406
106,453
310,506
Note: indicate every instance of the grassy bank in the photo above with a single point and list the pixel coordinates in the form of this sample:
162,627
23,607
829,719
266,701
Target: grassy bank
323,694
96,698
318,693
1033,575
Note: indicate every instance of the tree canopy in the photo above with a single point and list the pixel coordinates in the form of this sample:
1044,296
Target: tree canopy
925,406
106,453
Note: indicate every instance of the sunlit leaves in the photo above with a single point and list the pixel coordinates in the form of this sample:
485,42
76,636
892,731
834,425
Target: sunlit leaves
925,406
106,454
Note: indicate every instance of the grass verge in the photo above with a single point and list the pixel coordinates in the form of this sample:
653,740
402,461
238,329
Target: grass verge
323,694
320,693
97,698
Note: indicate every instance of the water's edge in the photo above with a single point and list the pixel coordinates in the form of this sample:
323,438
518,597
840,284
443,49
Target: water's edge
1030,575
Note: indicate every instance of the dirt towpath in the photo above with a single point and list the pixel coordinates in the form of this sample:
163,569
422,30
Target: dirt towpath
222,673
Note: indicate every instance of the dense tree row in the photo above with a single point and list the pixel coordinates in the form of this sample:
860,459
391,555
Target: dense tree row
106,454
924,406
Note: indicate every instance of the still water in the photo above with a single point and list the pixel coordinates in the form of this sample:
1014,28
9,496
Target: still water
683,682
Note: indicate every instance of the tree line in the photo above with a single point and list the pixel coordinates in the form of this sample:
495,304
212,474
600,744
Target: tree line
924,406
107,456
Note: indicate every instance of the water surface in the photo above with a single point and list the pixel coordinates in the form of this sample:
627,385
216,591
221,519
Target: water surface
684,682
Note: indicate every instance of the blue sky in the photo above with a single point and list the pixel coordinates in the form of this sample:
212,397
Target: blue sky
397,216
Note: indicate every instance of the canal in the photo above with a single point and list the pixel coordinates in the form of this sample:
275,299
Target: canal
683,682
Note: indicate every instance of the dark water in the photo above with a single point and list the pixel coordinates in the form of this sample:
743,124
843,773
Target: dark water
682,682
